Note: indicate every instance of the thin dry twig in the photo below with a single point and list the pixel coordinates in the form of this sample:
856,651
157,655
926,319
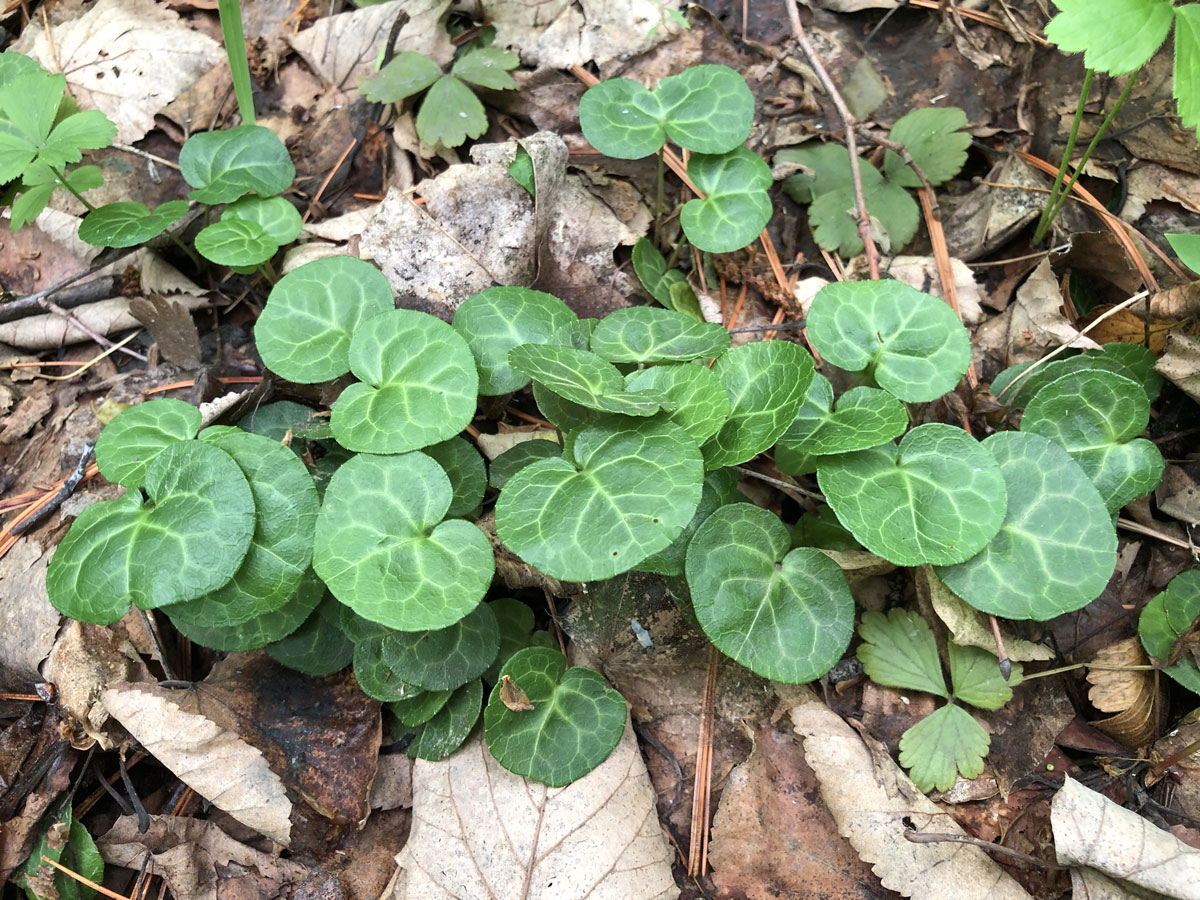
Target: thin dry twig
702,786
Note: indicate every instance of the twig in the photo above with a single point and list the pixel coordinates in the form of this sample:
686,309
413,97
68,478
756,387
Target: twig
778,326
147,156
1005,662
1138,528
68,488
554,619
84,881
702,786
928,837
328,178
782,485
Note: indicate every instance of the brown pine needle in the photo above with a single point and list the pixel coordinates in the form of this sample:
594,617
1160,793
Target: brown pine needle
75,875
702,786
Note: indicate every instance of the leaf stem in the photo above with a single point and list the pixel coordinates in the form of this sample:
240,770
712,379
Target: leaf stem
1073,667
658,199
188,251
78,196
235,50
1049,211
268,271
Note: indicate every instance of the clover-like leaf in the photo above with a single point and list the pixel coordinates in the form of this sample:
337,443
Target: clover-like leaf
131,441
644,334
279,220
720,488
487,67
736,207
1057,547
418,710
406,74
382,551
236,242
257,632
581,377
707,109
976,677
766,382
1133,361
650,266
1119,41
33,129
935,138
1167,617
946,742
938,497
303,333
899,650
128,224
188,541
418,384
450,113
575,723
374,673
222,166
788,616
911,343
445,658
694,396
468,476
513,460
318,647
865,418
627,494
453,723
1096,415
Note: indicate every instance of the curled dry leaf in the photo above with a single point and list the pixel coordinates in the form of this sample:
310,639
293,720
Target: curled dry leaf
1180,363
512,696
50,331
1036,322
28,623
1135,696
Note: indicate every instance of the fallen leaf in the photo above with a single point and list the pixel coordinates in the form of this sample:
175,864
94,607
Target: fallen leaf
1136,696
921,273
28,413
1036,320
1178,495
1125,327
20,828
1180,363
968,626
170,324
987,217
28,623
1088,884
480,832
51,331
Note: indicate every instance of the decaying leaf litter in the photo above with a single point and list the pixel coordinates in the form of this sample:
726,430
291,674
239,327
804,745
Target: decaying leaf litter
235,758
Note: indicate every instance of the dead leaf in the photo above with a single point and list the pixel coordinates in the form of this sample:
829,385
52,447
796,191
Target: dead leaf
1126,327
170,324
215,763
31,410
1134,695
51,331
481,832
871,799
126,58
987,217
1088,884
1178,495
19,829
1037,323
1091,830
392,787
28,623
512,696
1180,363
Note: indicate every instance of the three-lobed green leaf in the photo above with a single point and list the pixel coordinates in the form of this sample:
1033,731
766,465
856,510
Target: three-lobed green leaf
899,650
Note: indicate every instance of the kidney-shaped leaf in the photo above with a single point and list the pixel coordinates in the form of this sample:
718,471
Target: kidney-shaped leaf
736,207
911,343
582,377
938,497
1166,618
222,166
468,476
1134,361
514,459
787,616
188,541
720,488
575,722
382,551
303,333
236,242
1057,547
131,441
1096,415
628,494
865,417
445,658
128,224
695,399
279,220
257,632
643,334
418,384
374,673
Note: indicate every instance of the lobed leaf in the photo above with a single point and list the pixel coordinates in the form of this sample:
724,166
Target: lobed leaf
487,67
450,113
975,674
899,650
222,166
408,73
132,440
1119,41
945,743
129,224
735,208
865,418
935,139
644,334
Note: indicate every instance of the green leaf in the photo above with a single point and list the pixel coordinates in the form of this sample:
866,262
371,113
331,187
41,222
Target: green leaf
581,377
515,623
1186,247
899,650
947,742
911,343
736,207
1165,618
626,495
521,169
188,541
132,440
445,658
1057,547
683,298
318,647
223,166
64,840
487,67
129,224
575,723
1187,67
935,139
28,105
418,710
1133,361
418,384
408,73
513,460
865,418
303,333
822,529
382,551
786,615
257,632
450,113
29,204
694,398
975,674
563,414
374,673
650,266
235,242
498,319
88,130
468,476
1096,416
357,628
706,109
453,723
766,381
644,334
278,219
13,64
720,488
1119,41
938,497
275,420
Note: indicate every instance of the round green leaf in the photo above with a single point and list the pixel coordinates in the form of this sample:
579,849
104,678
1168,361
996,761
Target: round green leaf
1166,618
408,73
420,709
1096,415
128,224
224,165
445,658
766,381
132,440
736,207
1057,547
187,541
911,343
468,476
865,418
628,494
450,113
644,334
318,647
257,632
575,723
938,497
453,723
787,616
374,673
500,318
650,266
513,460
279,220
720,488
515,623
1130,360
695,398
581,377
382,551
235,242
418,384
303,333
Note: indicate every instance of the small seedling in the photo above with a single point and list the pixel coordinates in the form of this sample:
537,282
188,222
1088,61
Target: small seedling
1167,628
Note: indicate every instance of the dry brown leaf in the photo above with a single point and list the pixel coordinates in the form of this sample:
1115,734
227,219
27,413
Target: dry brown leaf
1088,884
170,324
1125,327
871,799
921,273
1134,695
988,216
1180,363
51,331
480,832
28,623
215,763
1178,495
1091,830
1037,323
